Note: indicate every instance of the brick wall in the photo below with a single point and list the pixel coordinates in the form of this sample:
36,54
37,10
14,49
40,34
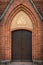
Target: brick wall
39,5
42,43
4,44
0,41
3,4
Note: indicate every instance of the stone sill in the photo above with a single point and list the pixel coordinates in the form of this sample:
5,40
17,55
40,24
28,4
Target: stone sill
38,62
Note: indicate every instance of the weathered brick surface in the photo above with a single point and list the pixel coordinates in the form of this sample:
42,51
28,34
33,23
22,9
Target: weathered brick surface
3,4
42,42
38,3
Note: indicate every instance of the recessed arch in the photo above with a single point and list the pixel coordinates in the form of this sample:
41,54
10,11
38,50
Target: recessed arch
17,9
21,20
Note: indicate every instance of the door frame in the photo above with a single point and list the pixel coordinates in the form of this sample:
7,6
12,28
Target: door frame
12,46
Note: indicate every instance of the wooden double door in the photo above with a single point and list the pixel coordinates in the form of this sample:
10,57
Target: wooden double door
22,45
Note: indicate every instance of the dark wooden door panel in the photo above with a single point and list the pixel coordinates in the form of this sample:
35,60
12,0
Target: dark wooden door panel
21,45
26,45
16,40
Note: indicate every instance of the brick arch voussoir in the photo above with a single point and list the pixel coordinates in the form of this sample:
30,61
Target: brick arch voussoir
34,19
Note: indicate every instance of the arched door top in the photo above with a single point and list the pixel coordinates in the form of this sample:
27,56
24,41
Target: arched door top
21,20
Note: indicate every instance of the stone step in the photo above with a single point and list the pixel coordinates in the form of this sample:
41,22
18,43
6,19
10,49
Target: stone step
20,63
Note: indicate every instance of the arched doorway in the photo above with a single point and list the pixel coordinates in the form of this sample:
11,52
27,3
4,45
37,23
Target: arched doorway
20,16
21,45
